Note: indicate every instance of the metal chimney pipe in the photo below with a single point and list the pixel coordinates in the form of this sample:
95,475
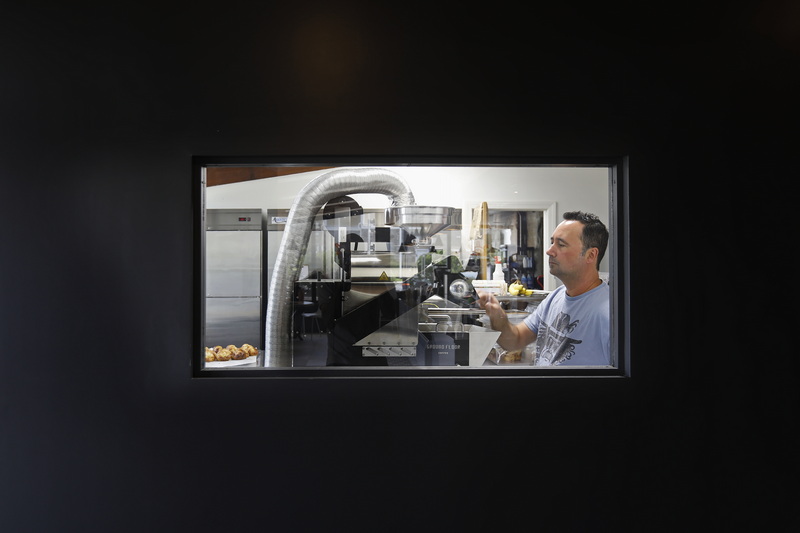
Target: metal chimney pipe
293,246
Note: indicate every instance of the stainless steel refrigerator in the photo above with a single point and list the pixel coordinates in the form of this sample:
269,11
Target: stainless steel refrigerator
234,277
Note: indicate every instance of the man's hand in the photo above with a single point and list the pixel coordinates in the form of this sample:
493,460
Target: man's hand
494,310
512,337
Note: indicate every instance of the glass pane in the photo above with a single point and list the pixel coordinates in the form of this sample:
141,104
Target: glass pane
380,266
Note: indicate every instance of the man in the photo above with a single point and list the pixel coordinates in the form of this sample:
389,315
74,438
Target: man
572,325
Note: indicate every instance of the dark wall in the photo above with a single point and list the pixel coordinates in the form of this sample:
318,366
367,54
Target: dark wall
102,109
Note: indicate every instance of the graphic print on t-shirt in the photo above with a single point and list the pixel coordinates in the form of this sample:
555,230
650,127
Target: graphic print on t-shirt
553,347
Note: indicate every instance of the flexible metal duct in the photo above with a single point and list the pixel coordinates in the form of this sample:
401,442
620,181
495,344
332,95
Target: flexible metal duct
295,241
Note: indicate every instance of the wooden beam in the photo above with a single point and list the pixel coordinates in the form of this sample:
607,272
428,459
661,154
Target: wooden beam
225,175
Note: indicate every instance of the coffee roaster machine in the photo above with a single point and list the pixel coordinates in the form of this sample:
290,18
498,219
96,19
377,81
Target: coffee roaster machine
421,315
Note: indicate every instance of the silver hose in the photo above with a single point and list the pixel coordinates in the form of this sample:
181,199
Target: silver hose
293,246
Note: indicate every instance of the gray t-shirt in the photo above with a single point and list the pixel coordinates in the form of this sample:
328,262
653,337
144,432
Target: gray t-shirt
572,330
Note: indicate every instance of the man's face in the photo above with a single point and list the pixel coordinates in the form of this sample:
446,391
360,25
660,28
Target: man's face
565,252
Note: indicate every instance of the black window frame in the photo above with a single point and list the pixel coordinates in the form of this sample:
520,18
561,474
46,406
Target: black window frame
619,245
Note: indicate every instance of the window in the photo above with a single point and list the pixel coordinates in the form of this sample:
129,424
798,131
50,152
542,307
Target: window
332,267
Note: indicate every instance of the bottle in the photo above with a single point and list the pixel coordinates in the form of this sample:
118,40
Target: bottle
498,274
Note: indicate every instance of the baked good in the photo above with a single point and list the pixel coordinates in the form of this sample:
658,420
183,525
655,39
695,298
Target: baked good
237,354
230,353
249,349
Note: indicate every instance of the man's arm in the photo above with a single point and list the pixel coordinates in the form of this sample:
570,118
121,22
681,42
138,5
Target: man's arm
512,336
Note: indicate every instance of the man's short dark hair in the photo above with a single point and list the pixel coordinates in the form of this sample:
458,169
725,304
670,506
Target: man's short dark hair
594,234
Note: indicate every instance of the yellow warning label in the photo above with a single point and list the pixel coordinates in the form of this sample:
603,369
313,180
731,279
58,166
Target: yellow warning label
383,277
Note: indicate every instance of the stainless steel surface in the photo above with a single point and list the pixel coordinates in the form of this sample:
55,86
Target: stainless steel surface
276,219
233,321
233,263
420,220
233,219
458,311
233,277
